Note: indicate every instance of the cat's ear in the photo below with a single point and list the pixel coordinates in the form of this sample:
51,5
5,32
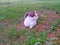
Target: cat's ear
35,11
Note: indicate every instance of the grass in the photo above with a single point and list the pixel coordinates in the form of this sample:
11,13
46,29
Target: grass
15,10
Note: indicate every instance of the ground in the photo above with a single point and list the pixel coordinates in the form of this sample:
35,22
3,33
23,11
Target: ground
13,31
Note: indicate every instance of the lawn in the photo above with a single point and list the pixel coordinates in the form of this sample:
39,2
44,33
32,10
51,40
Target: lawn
12,30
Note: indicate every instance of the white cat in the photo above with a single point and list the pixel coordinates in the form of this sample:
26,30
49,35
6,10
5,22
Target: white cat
31,21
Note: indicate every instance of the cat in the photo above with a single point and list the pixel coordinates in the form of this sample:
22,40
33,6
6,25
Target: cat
31,20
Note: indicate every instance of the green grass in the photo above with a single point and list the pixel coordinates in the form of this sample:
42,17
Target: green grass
16,10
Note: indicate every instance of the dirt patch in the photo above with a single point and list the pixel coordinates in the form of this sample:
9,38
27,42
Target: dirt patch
23,38
50,15
20,26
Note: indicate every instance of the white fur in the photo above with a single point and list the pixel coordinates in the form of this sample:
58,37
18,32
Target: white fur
31,21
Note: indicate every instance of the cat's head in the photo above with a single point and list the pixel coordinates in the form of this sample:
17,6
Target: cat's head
32,14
